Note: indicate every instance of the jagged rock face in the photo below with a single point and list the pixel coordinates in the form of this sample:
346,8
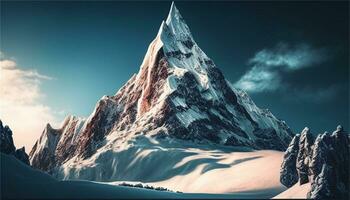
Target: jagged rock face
7,146
21,154
322,185
321,149
289,174
55,145
304,155
178,92
329,166
6,140
327,163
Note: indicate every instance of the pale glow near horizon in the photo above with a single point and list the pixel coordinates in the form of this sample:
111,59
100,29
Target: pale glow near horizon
21,106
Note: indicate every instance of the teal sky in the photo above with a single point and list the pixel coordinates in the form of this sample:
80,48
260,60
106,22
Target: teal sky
92,48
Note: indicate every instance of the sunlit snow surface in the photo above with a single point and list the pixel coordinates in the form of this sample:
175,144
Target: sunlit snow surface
181,166
19,181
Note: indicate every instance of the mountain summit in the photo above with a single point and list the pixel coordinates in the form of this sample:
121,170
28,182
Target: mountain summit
179,94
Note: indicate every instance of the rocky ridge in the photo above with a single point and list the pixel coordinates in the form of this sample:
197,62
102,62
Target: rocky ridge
7,146
323,161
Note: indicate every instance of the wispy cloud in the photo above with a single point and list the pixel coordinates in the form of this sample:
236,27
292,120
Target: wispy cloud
259,79
268,65
21,104
289,57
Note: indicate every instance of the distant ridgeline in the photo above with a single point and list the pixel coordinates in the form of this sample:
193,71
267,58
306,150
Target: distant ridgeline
323,161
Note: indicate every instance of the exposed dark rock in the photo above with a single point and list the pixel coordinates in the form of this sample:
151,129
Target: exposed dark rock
7,146
324,162
6,141
289,174
188,43
149,187
321,187
321,149
22,155
304,155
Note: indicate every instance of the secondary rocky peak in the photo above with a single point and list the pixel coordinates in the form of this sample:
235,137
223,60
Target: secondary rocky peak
289,174
54,143
48,127
339,128
305,152
324,162
7,146
6,141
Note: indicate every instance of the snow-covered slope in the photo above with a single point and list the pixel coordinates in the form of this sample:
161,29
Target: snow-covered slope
178,93
182,166
19,181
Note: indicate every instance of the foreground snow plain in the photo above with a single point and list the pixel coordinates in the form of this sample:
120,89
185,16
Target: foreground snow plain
236,172
201,171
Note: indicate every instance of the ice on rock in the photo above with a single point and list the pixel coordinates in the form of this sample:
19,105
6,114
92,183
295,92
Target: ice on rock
179,102
181,49
191,115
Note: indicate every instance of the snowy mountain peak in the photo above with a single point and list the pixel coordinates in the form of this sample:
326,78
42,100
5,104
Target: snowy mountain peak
173,13
178,93
306,130
339,128
176,23
48,126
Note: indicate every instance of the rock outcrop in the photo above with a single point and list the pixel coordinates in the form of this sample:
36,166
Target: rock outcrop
324,162
55,145
304,155
289,174
7,146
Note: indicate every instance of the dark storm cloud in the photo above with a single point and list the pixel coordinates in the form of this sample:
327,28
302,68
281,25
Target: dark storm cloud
268,66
